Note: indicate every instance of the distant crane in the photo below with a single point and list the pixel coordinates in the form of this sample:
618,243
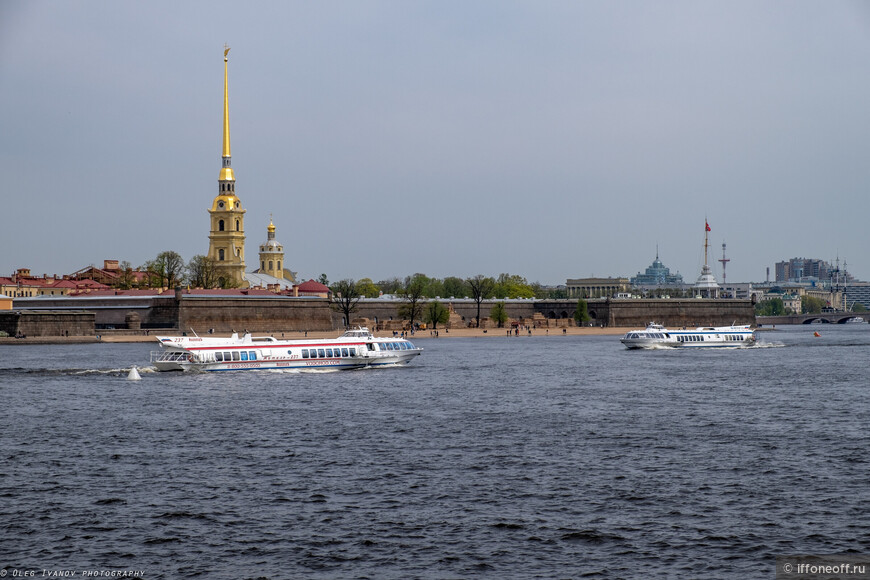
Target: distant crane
724,262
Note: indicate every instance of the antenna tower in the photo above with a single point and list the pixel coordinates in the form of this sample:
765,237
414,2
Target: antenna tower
724,262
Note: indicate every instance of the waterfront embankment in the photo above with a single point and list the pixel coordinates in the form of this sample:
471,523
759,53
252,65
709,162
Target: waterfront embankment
111,337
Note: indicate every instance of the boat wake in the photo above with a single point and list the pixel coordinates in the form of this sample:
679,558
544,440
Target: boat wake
120,372
767,345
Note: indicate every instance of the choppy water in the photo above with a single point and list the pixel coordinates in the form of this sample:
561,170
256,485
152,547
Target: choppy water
500,457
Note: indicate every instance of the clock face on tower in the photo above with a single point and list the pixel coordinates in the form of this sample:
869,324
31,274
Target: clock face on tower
221,204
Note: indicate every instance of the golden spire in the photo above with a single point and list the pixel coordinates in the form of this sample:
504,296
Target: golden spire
226,169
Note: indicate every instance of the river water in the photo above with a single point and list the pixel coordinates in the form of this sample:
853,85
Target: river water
501,457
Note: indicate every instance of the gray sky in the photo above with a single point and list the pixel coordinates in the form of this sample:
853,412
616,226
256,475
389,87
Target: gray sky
548,139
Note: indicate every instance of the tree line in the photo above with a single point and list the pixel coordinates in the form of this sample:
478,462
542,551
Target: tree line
420,295
809,305
169,270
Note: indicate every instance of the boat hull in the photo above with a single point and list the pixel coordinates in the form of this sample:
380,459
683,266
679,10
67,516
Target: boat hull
354,350
171,364
656,336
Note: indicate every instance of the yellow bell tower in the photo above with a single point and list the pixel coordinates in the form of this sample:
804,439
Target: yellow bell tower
226,247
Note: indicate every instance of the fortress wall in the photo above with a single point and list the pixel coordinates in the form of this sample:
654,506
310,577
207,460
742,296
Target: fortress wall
677,313
254,314
47,323
268,314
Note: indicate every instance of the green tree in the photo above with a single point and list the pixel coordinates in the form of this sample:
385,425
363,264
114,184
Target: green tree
390,286
367,288
498,313
581,313
771,307
812,305
435,288
512,286
345,297
166,270
201,272
412,295
455,287
552,293
481,289
435,312
126,279
323,280
858,307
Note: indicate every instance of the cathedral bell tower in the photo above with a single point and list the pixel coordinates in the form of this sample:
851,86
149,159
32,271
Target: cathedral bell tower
272,254
226,247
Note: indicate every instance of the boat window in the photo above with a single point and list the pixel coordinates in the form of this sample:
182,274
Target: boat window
252,355
321,353
411,345
312,353
244,355
227,356
352,352
235,355
304,353
218,356
328,353
344,352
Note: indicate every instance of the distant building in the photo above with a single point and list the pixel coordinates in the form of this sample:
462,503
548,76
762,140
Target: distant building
858,292
809,270
111,274
596,287
312,289
657,274
23,285
272,273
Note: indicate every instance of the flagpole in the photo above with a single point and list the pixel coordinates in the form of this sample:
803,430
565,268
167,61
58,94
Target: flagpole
706,233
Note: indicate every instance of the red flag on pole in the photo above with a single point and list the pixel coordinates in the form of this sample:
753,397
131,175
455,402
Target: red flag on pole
707,225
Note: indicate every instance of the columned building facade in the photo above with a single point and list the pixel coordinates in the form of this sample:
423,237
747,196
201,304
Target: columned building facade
596,287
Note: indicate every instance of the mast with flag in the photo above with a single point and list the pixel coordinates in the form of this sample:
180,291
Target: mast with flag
706,286
706,231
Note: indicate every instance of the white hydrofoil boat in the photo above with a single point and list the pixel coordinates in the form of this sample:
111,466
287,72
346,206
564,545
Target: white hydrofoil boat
356,348
657,336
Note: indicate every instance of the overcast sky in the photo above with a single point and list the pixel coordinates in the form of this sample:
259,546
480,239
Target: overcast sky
548,139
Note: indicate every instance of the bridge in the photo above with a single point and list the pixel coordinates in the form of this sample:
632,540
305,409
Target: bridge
825,317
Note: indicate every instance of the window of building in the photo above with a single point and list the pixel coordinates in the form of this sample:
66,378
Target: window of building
221,225
221,255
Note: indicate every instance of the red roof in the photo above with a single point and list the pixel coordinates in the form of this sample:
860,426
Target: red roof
312,286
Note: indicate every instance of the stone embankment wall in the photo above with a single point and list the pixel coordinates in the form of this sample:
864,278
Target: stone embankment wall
278,314
672,313
254,314
47,323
